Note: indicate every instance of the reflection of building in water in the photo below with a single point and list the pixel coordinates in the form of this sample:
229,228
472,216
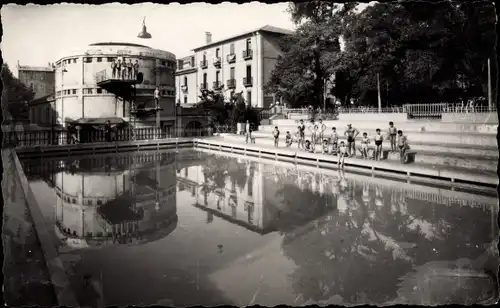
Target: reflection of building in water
239,198
101,207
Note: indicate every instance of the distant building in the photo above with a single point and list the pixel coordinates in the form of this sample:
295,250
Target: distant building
243,62
42,110
39,79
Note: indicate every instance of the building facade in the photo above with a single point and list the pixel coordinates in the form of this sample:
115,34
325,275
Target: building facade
240,63
41,80
42,110
78,95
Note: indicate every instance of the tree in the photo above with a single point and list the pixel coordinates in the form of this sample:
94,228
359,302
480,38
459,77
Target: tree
15,96
213,102
299,73
419,49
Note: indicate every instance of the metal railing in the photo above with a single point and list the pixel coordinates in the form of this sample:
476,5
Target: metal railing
247,81
231,58
203,64
109,74
61,137
247,54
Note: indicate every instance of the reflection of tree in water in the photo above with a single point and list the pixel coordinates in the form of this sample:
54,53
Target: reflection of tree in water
361,252
218,169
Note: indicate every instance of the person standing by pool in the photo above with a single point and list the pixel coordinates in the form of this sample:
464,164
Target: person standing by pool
276,135
119,69
288,139
392,136
248,132
136,68
351,134
322,129
130,67
157,97
403,146
334,139
378,145
113,68
314,137
302,133
343,153
364,145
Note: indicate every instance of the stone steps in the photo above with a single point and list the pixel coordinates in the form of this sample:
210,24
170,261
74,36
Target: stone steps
417,126
469,160
470,139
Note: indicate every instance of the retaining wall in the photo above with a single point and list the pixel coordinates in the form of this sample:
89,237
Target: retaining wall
480,118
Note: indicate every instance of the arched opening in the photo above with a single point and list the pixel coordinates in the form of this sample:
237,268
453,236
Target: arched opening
193,129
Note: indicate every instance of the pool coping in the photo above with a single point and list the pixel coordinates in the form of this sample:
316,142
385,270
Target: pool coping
60,282
448,174
369,166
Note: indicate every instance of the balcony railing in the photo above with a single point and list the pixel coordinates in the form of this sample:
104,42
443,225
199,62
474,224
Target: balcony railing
247,54
217,85
203,86
248,81
184,88
217,62
231,58
231,83
203,64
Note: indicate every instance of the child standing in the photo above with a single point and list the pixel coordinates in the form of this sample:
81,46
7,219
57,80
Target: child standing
322,129
364,145
300,138
403,146
342,154
392,136
314,137
276,135
378,145
334,139
288,139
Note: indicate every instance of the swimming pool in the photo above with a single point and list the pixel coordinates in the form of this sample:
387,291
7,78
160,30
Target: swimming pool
195,227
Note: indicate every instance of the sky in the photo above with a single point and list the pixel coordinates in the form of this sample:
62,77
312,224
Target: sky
38,34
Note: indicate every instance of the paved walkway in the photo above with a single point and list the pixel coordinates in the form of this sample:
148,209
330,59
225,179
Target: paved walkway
27,281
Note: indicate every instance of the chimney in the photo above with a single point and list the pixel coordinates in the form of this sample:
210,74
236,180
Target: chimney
208,37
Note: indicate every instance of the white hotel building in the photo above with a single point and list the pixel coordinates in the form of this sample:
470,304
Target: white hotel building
242,62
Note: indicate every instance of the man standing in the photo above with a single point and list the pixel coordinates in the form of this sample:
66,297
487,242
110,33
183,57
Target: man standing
129,69
118,68
248,132
136,68
351,134
113,68
157,97
322,128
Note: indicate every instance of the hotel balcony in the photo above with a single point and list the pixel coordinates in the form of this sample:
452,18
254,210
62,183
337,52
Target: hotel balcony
217,62
203,86
231,83
248,81
231,58
184,88
203,64
247,54
217,85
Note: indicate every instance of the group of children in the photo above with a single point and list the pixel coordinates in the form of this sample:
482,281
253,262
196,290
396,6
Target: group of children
330,145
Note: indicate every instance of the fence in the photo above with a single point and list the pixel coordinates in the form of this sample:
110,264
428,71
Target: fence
60,137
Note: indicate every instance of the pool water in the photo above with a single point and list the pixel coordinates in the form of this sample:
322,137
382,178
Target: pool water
195,227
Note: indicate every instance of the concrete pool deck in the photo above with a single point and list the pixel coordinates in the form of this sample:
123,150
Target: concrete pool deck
480,177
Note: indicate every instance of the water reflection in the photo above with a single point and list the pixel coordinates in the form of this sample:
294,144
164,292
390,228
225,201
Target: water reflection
352,239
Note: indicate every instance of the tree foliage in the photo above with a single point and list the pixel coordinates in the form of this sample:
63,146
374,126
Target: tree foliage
15,95
422,52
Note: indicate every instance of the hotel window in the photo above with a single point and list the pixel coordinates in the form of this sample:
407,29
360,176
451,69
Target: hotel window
249,71
110,59
163,92
204,77
74,60
204,57
88,91
163,63
231,48
185,81
99,59
185,99
99,91
249,44
249,98
88,60
217,51
231,73
217,75
74,91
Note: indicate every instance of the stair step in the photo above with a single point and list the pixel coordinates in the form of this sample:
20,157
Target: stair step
469,160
